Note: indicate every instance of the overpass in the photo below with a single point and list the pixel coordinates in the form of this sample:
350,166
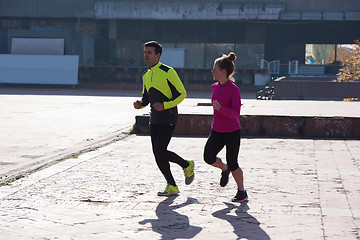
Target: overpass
115,30
184,9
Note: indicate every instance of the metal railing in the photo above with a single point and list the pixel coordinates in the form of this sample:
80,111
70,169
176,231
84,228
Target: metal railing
293,67
273,67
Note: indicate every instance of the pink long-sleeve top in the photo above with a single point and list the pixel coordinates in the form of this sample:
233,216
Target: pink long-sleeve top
227,119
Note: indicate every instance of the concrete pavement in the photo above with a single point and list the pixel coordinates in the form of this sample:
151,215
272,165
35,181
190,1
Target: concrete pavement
298,189
40,126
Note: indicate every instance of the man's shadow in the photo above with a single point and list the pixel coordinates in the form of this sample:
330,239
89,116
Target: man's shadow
245,226
170,224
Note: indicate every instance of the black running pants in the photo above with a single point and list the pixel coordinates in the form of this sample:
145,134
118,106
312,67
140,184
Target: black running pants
216,143
160,137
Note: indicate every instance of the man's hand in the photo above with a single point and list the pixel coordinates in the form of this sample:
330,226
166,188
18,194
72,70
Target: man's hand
216,105
158,106
137,104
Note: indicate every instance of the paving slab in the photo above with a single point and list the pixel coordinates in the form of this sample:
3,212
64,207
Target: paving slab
298,189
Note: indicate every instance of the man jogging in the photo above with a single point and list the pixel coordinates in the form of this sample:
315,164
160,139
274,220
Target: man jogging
163,89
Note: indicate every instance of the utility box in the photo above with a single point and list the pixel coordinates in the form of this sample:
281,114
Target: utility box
174,57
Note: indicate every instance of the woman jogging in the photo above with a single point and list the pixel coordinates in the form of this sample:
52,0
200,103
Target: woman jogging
226,128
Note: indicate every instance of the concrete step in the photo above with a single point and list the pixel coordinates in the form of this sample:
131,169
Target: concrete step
311,70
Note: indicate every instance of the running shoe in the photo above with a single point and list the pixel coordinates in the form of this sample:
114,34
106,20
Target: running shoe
189,173
169,190
241,196
224,177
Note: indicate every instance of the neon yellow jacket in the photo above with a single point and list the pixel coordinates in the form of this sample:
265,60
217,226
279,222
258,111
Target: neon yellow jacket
162,84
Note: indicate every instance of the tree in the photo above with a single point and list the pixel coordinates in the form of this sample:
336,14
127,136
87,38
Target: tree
343,53
350,71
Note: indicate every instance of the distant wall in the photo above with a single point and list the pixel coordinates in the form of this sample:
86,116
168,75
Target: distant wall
298,89
3,42
39,69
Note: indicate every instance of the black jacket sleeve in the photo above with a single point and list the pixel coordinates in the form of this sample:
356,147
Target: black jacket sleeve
145,97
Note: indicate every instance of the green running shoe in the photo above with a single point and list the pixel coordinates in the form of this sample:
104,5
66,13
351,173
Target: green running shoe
169,190
189,173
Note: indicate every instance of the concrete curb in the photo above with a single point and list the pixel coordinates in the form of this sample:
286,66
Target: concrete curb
303,89
267,126
53,158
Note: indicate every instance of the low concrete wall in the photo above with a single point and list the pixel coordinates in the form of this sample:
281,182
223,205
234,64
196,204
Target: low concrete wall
118,74
266,126
39,69
298,89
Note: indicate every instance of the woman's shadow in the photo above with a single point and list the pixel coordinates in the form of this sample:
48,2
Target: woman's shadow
245,226
170,224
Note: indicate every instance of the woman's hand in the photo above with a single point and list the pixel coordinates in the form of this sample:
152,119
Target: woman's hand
216,105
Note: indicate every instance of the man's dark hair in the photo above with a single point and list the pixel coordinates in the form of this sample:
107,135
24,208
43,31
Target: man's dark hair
156,45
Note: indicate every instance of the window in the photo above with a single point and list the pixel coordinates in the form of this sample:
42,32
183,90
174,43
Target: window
319,53
249,55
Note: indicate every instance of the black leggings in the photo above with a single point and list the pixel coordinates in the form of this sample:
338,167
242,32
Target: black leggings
160,137
216,143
